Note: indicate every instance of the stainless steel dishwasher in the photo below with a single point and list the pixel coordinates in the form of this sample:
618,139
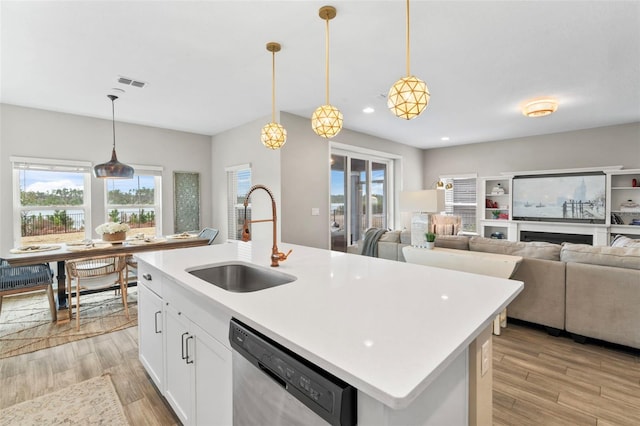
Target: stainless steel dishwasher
273,386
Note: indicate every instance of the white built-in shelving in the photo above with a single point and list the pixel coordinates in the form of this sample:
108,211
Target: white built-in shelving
622,196
495,215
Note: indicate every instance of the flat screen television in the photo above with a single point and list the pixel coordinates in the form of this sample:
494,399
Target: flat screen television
566,197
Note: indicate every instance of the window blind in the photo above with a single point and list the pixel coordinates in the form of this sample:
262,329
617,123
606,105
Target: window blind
461,201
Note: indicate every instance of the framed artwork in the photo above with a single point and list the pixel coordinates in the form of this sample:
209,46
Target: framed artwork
186,201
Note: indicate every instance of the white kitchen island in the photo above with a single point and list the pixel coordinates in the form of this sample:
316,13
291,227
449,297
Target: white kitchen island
397,332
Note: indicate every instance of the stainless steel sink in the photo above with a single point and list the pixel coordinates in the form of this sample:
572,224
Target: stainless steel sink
240,277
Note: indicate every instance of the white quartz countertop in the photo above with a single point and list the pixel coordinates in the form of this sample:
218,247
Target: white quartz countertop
388,328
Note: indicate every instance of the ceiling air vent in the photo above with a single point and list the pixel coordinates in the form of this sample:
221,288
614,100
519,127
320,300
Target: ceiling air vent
131,82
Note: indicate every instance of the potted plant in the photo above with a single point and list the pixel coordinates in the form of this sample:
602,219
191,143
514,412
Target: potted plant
113,231
431,238
496,214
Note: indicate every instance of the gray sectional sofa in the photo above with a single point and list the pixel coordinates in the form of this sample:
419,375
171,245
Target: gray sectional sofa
589,291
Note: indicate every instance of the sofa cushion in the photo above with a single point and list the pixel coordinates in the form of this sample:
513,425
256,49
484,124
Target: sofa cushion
459,242
624,241
405,237
390,237
619,257
533,249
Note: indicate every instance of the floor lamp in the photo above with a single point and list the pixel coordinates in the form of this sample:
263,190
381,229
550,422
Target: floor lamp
420,204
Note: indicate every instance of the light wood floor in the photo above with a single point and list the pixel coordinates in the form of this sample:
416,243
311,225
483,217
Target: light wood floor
27,376
544,380
538,379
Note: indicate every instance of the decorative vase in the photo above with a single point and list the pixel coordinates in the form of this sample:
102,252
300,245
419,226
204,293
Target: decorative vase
116,237
429,245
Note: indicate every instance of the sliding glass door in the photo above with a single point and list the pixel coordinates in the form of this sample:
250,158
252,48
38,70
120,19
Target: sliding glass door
338,204
359,197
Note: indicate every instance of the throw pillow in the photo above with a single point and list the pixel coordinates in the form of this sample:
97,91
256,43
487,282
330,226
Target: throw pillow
624,241
390,237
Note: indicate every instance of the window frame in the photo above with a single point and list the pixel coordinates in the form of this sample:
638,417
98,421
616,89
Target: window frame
450,204
231,173
156,172
51,165
392,161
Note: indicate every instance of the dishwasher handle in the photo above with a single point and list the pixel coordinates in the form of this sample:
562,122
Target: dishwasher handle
279,380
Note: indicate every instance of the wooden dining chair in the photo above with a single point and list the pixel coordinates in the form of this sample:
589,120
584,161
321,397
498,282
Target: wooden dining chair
24,279
96,273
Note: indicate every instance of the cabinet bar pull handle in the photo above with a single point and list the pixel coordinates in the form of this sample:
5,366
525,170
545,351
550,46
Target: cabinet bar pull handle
156,322
187,344
182,344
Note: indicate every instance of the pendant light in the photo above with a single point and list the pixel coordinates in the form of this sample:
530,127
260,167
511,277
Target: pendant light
113,169
273,135
409,96
326,120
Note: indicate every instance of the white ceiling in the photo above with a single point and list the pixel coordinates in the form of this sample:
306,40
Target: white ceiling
208,69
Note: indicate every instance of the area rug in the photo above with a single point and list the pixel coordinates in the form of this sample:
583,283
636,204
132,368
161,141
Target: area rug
92,402
25,320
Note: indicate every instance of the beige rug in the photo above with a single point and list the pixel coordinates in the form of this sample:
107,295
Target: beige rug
92,402
25,320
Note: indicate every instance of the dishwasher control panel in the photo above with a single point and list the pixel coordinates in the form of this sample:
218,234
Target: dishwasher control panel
328,396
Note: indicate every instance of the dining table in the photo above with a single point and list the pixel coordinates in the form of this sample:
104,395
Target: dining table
61,252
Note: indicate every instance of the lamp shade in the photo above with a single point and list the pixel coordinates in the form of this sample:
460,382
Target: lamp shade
429,200
326,121
113,169
408,97
273,135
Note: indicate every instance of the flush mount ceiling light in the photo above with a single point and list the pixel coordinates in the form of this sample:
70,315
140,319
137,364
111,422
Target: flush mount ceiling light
540,107
409,96
326,120
273,135
113,169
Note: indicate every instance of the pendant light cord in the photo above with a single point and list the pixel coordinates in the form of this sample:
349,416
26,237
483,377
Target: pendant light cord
113,122
273,86
408,54
326,54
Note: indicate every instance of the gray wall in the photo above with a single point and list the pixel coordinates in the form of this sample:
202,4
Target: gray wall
38,133
237,146
305,177
603,146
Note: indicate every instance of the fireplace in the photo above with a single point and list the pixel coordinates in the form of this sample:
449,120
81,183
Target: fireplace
556,237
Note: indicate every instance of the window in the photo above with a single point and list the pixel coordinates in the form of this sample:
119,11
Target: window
238,184
360,192
136,202
461,200
51,200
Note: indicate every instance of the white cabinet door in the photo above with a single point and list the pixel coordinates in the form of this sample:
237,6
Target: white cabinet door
178,387
212,379
150,334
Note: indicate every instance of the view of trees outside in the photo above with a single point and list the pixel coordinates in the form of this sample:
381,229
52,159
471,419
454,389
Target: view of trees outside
132,201
47,201
52,204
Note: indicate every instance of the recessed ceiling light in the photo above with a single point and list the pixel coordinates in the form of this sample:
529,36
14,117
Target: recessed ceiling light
540,107
368,110
444,138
